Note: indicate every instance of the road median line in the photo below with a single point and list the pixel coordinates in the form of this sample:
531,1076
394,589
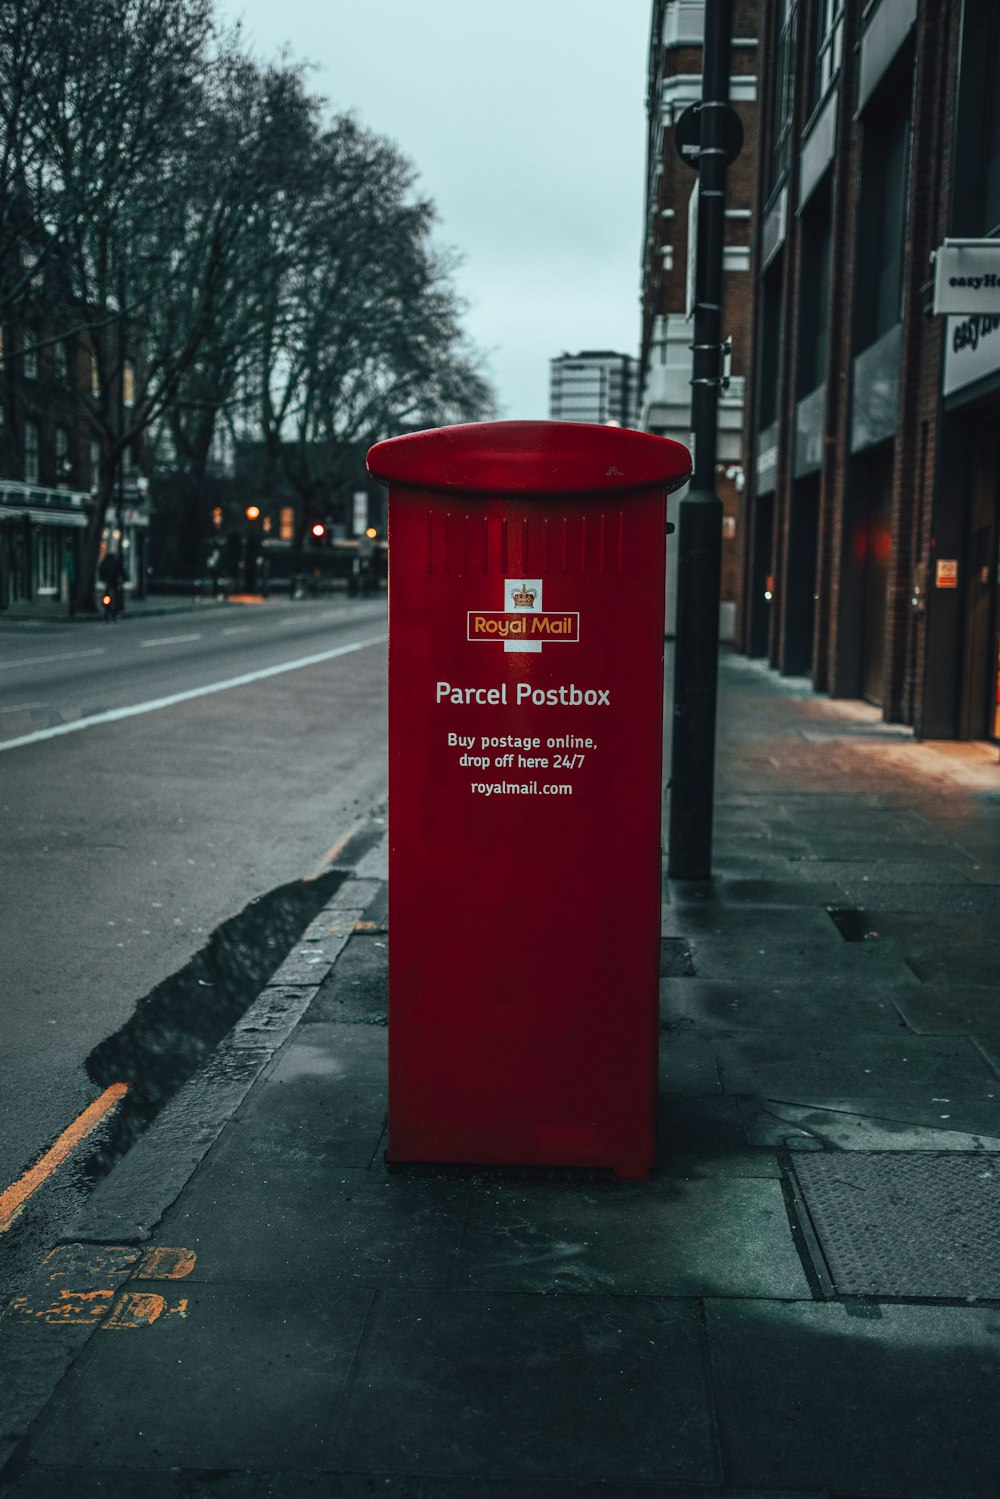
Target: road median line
115,715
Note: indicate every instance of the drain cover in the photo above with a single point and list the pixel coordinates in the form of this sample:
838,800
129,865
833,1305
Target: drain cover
905,1223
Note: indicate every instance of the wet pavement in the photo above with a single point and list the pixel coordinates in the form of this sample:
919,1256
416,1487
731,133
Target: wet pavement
803,1300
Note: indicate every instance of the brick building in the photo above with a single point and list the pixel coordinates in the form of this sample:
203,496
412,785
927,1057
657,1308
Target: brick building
53,398
674,82
871,558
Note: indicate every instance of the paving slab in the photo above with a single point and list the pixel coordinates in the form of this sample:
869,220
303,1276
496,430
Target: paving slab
884,1401
672,1236
827,1005
897,1065
521,1388
190,1391
873,1123
320,1228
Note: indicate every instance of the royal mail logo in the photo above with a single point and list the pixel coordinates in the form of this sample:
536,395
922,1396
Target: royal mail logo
522,624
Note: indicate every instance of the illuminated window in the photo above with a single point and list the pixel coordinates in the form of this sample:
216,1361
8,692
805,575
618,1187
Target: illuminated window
287,523
95,376
128,384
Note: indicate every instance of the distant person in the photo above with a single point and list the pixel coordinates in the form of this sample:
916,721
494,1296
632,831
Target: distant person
111,573
214,563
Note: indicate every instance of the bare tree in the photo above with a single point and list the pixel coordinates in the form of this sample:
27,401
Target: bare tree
363,331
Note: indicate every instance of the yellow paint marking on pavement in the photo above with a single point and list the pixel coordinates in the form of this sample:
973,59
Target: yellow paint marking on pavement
62,1306
332,853
17,1195
164,1262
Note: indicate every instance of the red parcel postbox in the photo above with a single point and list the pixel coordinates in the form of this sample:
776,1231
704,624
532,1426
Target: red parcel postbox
526,611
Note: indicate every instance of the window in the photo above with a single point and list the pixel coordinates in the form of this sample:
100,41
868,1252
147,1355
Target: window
48,561
829,46
30,356
769,348
814,292
976,210
31,452
61,357
782,86
95,376
95,464
128,384
64,466
884,168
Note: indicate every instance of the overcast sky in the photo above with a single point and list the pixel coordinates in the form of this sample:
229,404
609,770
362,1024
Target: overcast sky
525,121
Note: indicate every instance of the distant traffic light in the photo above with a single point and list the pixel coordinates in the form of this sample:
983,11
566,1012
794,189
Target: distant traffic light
317,531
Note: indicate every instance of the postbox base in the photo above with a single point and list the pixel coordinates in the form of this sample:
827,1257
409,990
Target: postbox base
623,1171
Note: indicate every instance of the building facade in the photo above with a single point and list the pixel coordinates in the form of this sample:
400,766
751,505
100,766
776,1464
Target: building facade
49,468
674,82
596,385
873,544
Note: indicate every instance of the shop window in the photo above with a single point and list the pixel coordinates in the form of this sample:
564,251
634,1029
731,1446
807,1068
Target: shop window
48,561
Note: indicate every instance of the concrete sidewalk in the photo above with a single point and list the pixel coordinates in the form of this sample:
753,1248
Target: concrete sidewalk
804,1300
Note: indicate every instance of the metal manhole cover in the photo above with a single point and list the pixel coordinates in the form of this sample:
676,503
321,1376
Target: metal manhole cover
905,1223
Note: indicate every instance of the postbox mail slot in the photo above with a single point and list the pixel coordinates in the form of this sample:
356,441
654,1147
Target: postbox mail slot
526,607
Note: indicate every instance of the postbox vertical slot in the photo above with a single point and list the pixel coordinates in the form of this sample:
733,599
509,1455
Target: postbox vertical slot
565,544
430,541
621,541
601,540
503,545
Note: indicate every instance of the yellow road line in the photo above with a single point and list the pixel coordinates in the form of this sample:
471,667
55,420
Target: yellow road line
332,853
15,1198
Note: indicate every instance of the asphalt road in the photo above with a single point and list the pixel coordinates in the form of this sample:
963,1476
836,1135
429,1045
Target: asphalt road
126,841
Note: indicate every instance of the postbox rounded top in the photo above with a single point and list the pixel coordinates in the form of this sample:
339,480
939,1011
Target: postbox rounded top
530,458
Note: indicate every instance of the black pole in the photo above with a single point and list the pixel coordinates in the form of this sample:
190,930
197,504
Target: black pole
699,535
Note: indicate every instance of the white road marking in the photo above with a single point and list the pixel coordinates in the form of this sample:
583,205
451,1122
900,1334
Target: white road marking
45,660
113,715
237,629
23,707
168,640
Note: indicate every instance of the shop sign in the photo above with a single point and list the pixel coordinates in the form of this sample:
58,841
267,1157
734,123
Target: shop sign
946,573
967,276
972,350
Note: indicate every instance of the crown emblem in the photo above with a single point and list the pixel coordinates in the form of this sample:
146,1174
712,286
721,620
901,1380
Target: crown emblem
523,597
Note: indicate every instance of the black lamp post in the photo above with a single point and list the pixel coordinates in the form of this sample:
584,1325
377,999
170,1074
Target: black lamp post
718,136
